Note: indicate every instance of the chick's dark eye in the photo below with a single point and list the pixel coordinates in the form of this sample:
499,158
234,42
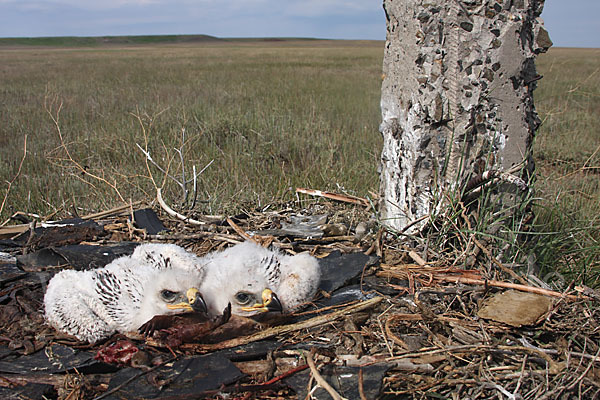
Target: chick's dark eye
243,298
168,295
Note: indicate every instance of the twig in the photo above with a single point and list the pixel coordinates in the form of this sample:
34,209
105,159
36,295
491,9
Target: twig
12,230
283,329
335,196
361,389
285,375
320,380
572,385
417,258
149,158
174,213
112,211
240,231
508,285
498,263
554,367
183,183
10,183
412,223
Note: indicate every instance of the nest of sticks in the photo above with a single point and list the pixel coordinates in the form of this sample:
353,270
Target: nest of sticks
423,329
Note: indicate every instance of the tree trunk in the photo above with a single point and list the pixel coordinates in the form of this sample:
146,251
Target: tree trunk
456,98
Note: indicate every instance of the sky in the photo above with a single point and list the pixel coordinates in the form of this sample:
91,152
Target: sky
572,23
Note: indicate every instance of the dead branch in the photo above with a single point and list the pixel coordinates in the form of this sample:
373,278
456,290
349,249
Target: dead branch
174,213
498,263
283,329
240,231
335,196
12,230
180,151
469,277
320,380
508,285
554,367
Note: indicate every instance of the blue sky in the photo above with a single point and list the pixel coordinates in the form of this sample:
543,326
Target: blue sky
570,23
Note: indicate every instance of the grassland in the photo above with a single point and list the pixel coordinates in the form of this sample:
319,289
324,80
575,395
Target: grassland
567,153
272,115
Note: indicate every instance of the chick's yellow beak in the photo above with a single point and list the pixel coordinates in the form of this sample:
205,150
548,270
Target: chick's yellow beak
270,302
193,302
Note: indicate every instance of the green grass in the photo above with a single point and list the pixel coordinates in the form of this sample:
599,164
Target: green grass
273,115
567,153
78,41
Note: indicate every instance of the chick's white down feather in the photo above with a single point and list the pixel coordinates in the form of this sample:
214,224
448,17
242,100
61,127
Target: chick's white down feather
123,295
250,268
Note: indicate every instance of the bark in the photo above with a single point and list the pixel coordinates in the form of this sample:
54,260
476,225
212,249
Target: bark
456,98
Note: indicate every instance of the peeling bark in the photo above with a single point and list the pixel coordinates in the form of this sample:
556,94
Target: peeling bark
457,97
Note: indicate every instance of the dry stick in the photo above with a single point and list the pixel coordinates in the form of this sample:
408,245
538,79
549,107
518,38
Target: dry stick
198,235
523,365
361,389
498,263
174,213
240,231
572,385
320,380
9,231
282,329
112,210
417,258
412,223
335,196
554,367
284,375
10,183
508,285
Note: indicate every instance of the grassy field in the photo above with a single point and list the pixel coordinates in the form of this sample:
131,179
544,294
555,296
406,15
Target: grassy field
270,115
567,153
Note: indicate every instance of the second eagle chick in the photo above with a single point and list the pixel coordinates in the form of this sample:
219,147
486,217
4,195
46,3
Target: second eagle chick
255,279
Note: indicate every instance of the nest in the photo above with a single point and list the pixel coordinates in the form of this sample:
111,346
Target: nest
390,326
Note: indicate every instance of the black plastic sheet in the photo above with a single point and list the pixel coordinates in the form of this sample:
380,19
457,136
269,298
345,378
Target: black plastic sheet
343,379
189,376
339,269
80,256
147,219
53,359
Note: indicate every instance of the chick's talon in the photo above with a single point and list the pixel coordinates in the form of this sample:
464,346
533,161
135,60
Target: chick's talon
158,322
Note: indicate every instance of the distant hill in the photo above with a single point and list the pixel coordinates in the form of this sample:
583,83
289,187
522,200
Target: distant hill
76,41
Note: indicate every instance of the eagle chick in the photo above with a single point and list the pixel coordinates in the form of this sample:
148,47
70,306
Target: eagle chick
157,279
255,279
